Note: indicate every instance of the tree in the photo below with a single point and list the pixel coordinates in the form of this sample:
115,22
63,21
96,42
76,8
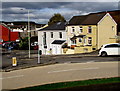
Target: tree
23,43
56,18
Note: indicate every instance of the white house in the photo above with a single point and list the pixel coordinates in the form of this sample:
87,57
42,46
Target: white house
51,38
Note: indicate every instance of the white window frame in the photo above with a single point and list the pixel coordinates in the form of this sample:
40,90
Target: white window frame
73,30
51,34
85,41
61,35
81,40
81,29
73,42
113,28
89,27
89,40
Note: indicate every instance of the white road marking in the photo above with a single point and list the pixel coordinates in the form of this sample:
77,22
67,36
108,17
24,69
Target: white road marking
90,62
73,70
12,77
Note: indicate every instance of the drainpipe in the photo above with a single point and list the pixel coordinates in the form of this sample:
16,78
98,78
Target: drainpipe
97,37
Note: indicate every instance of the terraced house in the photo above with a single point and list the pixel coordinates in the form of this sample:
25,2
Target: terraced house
88,33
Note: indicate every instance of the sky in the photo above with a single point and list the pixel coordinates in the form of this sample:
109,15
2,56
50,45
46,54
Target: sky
41,11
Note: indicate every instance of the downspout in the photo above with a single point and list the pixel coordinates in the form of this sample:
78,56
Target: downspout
97,36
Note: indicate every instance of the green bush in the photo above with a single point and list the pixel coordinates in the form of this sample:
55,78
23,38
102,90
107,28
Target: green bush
23,45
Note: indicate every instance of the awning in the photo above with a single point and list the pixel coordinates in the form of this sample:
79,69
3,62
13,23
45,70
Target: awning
58,41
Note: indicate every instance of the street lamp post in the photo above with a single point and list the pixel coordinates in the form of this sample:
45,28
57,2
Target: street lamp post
29,32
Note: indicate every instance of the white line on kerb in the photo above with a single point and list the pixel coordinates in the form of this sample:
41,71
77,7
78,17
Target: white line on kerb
73,70
12,77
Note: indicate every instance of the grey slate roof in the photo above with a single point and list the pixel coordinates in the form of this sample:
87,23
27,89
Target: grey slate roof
90,19
56,26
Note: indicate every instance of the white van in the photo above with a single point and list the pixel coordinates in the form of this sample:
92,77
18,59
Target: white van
110,49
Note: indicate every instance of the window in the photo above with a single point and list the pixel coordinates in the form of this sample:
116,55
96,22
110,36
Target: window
113,28
73,42
81,29
44,38
89,29
60,34
84,41
80,40
51,34
89,40
73,30
112,45
34,33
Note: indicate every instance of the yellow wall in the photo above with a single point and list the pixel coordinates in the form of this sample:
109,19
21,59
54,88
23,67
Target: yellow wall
105,32
85,32
85,49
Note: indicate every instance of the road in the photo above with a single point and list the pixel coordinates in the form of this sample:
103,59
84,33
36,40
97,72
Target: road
58,73
23,61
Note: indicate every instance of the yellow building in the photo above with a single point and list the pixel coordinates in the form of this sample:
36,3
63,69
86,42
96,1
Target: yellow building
89,32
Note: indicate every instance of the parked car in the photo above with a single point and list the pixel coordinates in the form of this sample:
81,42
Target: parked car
5,45
110,49
1,41
34,45
10,45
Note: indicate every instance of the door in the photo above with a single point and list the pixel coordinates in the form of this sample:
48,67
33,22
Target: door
58,49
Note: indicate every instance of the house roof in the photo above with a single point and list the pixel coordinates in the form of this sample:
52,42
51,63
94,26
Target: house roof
77,20
58,41
56,26
93,19
115,15
90,19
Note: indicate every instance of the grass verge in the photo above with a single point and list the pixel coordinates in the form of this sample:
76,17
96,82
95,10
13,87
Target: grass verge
71,84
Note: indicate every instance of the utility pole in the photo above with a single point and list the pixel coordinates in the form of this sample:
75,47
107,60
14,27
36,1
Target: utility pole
29,32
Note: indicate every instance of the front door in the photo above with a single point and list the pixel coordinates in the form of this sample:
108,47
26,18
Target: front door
56,49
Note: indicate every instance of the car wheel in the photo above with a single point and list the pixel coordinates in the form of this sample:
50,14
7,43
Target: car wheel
103,54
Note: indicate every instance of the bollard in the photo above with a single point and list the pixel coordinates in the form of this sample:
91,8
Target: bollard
39,56
14,61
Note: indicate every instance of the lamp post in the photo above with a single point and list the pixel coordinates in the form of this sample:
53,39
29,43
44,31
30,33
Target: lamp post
28,30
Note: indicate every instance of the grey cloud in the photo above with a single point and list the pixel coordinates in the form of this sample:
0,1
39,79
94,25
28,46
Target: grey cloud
93,6
35,5
11,10
61,1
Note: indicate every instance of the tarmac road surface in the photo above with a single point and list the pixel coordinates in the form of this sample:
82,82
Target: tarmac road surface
58,73
23,61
